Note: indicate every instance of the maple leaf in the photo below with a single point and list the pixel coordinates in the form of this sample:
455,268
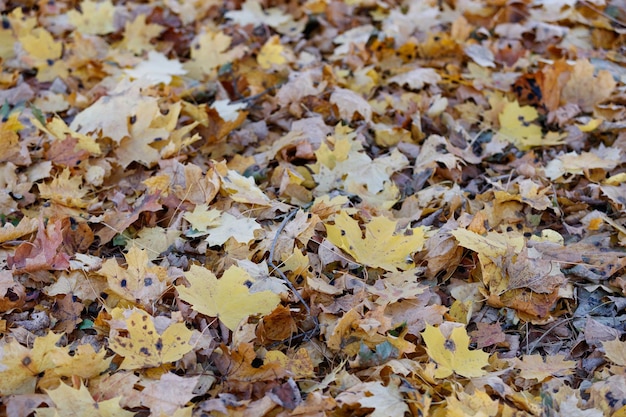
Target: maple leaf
95,18
157,69
166,396
540,368
615,351
240,229
65,190
155,240
212,51
138,33
479,403
448,346
381,247
517,127
44,253
251,13
272,54
110,114
79,403
241,189
9,138
24,227
141,281
385,400
227,298
416,78
59,129
201,219
145,347
586,88
346,167
45,53
20,366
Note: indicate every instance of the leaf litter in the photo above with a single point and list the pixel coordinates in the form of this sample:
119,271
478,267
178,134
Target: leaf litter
312,208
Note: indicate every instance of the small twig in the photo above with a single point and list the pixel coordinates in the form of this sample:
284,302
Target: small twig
309,333
259,95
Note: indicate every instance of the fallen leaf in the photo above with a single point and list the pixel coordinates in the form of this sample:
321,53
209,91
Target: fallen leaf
448,346
144,347
381,247
227,298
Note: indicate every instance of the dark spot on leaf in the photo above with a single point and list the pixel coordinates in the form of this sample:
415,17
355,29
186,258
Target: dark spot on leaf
145,351
147,281
247,283
257,363
159,345
6,24
343,233
449,345
26,361
11,295
50,62
133,119
144,318
123,283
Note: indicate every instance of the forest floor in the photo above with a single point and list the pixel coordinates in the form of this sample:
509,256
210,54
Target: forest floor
341,208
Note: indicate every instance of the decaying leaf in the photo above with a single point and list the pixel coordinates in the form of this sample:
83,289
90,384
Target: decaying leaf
144,346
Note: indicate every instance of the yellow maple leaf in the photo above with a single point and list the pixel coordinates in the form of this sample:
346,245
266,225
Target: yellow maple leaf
449,347
227,298
201,218
479,403
95,18
9,139
141,280
45,54
21,366
72,402
517,127
211,51
65,190
40,44
381,247
144,347
271,53
155,240
138,33
85,363
60,130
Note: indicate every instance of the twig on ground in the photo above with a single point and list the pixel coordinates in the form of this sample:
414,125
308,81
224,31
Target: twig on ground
307,335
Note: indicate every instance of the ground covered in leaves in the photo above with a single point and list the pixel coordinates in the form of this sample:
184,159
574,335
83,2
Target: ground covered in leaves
312,208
